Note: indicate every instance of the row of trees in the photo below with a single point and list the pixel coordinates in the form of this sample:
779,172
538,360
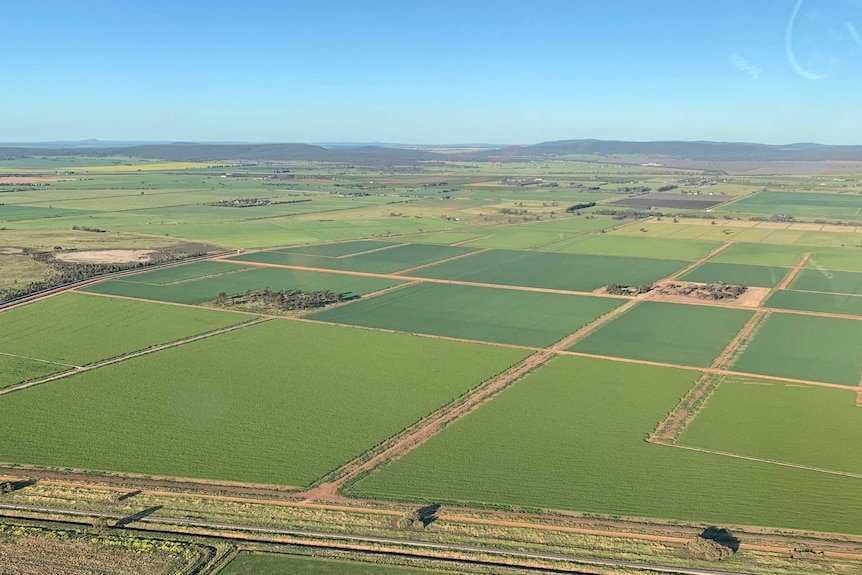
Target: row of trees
284,300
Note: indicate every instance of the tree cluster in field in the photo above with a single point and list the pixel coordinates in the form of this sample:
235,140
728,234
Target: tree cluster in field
667,188
634,190
626,214
418,518
70,272
86,229
716,291
284,300
713,544
252,203
511,212
616,289
575,207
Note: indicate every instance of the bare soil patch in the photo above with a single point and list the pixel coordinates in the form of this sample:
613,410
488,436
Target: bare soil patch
30,180
752,297
10,251
106,256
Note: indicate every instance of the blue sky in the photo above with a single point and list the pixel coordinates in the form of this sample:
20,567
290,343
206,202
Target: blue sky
432,72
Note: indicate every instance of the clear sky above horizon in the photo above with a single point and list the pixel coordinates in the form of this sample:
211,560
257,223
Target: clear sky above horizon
432,72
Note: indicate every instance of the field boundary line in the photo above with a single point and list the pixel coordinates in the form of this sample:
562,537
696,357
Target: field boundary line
594,325
369,295
791,275
371,251
464,242
676,275
763,460
421,431
671,427
443,261
127,356
734,350
40,360
835,293
190,280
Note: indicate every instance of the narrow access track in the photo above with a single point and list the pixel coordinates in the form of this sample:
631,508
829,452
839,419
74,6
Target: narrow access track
697,263
794,271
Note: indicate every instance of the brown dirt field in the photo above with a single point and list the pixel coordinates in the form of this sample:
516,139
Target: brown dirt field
10,251
752,298
106,256
796,269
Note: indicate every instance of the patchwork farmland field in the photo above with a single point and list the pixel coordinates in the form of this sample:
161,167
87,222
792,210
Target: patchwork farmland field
207,289
747,275
807,204
549,270
300,416
338,249
816,302
828,281
532,319
803,347
806,425
74,328
536,445
184,272
666,332
15,369
761,255
608,245
385,261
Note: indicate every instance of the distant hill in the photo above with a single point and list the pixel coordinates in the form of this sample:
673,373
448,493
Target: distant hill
386,154
699,151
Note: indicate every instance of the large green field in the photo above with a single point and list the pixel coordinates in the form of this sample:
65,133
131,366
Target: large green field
741,274
828,281
487,314
262,564
760,254
806,425
666,332
338,249
549,270
207,289
805,347
817,302
571,436
15,369
384,261
81,329
641,247
800,204
184,272
280,402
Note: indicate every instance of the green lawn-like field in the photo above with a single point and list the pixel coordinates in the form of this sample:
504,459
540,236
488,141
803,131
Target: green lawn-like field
761,254
821,302
81,329
11,213
804,204
260,564
828,281
571,436
207,289
610,245
486,314
280,402
806,347
747,275
849,259
338,249
667,332
184,272
806,425
383,262
17,369
576,272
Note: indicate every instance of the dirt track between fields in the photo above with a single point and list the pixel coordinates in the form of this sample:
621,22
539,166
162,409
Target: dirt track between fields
696,263
793,272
